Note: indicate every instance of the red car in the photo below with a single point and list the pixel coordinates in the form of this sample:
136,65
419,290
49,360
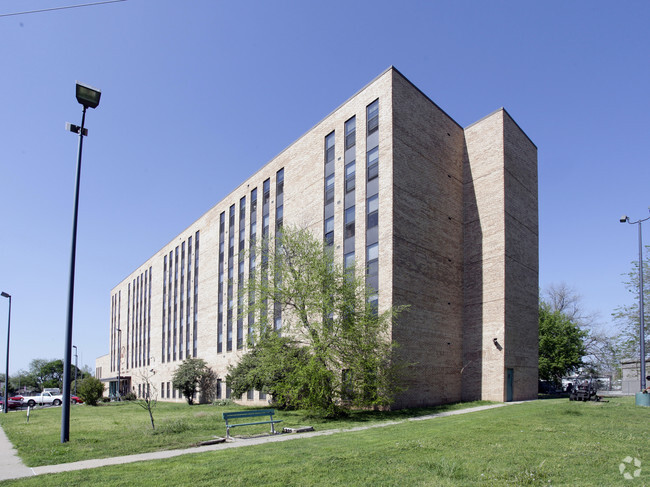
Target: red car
73,399
14,402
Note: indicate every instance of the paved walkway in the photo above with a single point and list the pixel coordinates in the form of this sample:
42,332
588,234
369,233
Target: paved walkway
11,467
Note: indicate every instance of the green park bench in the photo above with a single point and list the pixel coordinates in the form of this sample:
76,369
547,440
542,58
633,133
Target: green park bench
254,413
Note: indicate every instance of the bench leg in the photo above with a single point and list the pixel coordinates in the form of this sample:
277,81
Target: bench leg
273,428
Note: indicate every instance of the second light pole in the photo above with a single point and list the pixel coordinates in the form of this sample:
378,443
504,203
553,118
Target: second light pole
626,219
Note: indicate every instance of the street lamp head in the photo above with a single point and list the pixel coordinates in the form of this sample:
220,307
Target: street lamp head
87,95
625,219
5,295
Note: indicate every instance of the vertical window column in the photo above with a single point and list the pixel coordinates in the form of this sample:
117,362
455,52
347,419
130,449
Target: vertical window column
149,317
128,323
266,199
169,307
164,302
279,219
175,342
181,308
349,222
231,267
240,275
252,242
195,323
328,214
372,201
222,231
188,309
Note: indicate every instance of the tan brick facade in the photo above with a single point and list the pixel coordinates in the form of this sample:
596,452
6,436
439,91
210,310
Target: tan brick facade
457,241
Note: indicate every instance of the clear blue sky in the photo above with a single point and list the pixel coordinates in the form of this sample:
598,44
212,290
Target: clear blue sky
197,95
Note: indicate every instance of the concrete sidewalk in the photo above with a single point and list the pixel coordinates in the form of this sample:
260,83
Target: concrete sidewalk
11,467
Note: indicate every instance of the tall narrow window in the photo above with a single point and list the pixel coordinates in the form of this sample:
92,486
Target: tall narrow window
350,173
240,274
222,230
328,212
252,242
329,148
195,323
373,163
373,212
329,231
189,300
349,223
329,189
279,214
231,266
181,309
373,117
372,201
350,133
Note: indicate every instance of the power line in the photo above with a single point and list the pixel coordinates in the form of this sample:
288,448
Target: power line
60,8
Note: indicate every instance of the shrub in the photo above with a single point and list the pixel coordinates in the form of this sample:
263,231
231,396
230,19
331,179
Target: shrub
90,389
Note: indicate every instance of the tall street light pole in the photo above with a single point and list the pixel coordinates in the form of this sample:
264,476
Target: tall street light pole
88,97
6,404
626,219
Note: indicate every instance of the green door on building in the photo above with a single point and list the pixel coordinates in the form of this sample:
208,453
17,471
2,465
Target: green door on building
510,379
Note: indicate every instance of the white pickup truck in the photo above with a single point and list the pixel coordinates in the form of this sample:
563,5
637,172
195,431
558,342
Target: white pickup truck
43,398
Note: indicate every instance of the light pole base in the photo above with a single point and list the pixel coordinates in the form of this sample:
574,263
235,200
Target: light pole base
642,399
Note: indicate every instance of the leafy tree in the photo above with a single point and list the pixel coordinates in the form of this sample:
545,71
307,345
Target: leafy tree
627,316
602,347
335,350
188,377
21,381
561,344
90,390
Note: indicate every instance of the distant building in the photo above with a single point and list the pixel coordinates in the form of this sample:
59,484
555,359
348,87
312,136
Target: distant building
631,375
443,217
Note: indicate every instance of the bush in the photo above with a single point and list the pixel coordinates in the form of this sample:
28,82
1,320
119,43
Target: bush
90,390
129,396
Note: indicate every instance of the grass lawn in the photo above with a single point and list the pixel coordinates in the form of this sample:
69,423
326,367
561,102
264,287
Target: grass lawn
551,442
117,429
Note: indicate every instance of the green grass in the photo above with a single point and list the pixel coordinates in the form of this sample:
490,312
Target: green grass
118,429
552,442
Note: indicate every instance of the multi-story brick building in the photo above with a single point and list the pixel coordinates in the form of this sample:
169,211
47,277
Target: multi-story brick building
443,218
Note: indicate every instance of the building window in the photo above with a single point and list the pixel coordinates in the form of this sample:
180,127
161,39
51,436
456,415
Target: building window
329,148
350,133
372,113
350,173
373,212
329,189
329,231
348,261
249,394
222,241
373,163
349,222
195,325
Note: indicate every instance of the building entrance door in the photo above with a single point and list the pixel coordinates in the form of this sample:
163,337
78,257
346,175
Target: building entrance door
510,379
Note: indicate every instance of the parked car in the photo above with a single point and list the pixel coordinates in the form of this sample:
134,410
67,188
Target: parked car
43,398
13,403
76,399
